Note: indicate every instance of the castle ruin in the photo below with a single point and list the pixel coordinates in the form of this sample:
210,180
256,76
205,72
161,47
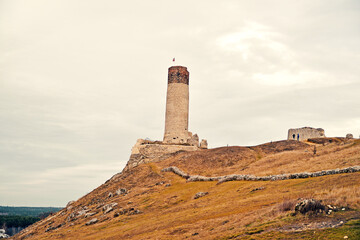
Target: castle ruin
305,133
177,108
177,137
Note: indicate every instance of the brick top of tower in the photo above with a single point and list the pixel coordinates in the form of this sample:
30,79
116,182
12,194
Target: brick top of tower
178,74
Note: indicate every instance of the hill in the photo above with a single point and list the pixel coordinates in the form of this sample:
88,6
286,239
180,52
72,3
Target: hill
27,211
148,203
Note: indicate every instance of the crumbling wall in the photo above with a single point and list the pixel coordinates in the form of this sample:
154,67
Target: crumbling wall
305,133
246,177
146,151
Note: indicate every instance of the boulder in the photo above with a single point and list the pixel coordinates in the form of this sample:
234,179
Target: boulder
121,191
127,211
69,205
3,235
349,136
109,207
203,144
200,194
90,214
309,205
194,140
92,221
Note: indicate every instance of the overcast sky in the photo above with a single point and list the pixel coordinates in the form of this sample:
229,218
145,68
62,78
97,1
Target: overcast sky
81,81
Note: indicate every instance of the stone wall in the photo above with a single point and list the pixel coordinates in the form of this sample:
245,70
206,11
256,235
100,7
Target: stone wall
178,74
305,133
148,151
246,177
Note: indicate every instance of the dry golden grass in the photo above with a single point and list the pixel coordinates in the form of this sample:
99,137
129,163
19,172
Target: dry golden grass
231,208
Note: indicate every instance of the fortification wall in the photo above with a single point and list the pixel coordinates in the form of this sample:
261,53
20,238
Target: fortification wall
305,133
146,151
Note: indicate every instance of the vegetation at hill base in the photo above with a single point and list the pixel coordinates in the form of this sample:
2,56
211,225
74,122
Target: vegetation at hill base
21,217
17,221
27,211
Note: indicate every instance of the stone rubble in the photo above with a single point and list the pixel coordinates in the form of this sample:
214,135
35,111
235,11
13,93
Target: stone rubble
3,234
240,177
349,136
200,194
127,211
92,221
89,214
309,205
122,191
109,207
54,227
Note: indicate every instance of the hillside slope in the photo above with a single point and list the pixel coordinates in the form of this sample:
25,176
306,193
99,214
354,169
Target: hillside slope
146,203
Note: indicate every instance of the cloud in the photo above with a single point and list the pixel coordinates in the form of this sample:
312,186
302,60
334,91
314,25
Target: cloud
253,35
80,82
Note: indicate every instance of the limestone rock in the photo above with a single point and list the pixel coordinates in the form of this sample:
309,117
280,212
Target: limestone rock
54,227
349,136
92,221
69,205
89,214
3,234
200,194
309,205
194,140
203,144
127,211
109,207
121,191
146,151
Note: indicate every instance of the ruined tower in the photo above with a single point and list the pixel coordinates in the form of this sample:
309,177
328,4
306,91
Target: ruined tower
177,136
177,106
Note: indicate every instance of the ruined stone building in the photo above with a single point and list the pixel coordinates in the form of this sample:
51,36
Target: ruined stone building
305,133
177,136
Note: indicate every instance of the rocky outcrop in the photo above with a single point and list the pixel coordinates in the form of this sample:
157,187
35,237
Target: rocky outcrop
349,136
203,144
309,205
200,194
245,177
3,234
122,191
127,211
92,221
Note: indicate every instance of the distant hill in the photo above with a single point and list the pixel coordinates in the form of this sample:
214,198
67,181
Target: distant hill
27,211
14,219
148,203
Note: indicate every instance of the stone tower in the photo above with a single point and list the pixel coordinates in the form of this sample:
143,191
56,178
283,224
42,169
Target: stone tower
177,106
177,136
